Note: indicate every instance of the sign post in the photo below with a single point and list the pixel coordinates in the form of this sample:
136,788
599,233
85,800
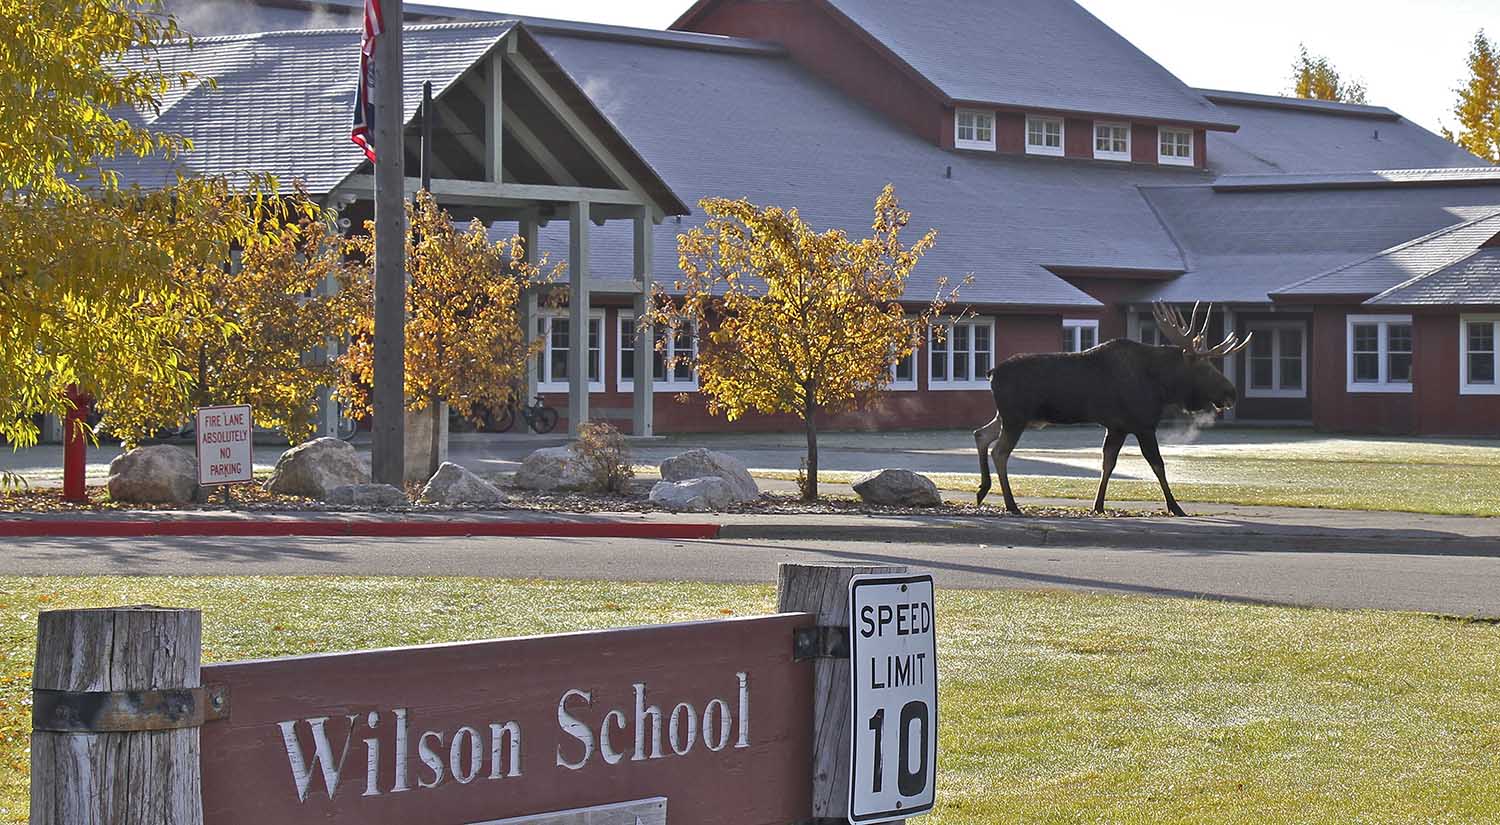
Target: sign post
893,697
225,446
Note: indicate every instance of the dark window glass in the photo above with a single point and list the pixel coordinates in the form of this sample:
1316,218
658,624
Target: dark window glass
559,349
1260,373
1088,337
939,358
1366,338
627,349
1398,347
981,351
1291,373
683,350
1367,367
596,348
1481,368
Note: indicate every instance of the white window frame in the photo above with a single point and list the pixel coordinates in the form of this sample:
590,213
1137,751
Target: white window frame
665,384
1106,154
1464,387
1174,159
1042,149
544,382
1384,385
979,115
897,384
1073,329
977,381
1142,323
1273,329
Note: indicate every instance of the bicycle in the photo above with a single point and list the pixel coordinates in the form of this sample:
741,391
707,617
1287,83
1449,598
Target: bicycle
539,417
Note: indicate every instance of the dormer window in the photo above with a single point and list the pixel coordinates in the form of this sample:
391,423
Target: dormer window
1112,141
1176,146
1044,136
974,130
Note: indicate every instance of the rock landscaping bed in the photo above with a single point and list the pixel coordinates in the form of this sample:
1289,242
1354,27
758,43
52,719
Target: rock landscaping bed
588,476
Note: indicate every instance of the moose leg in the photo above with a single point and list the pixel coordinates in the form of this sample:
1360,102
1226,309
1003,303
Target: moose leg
1113,441
1010,434
1152,452
983,438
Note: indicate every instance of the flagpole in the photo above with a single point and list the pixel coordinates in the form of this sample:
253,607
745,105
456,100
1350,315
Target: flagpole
388,448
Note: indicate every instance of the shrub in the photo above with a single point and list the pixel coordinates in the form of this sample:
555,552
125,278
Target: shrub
605,456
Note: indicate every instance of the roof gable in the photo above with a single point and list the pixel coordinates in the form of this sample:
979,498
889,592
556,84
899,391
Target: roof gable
1047,55
281,103
1401,265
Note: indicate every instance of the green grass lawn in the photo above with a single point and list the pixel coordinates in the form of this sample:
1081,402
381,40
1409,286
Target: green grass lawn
1446,477
1055,707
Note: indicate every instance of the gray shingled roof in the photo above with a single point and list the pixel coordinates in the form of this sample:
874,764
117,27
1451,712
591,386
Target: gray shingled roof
1029,54
1359,180
1474,280
1242,246
1401,263
761,127
1301,136
284,101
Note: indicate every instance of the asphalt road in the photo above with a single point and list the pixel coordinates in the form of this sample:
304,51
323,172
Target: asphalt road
1449,582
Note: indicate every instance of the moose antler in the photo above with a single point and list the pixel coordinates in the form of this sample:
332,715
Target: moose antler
1190,336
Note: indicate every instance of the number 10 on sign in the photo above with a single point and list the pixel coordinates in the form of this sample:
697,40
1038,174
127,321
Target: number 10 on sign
893,703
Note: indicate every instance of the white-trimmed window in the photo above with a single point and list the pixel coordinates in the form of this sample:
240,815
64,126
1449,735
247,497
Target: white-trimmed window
1175,146
1146,331
1044,135
1380,353
1480,361
1111,141
904,373
962,359
1276,360
552,363
1080,335
680,377
974,129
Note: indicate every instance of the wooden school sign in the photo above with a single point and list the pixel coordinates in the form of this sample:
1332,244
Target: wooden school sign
715,716
730,722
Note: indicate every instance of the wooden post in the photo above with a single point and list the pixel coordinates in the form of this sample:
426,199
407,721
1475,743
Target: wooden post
823,590
642,409
578,316
388,434
116,778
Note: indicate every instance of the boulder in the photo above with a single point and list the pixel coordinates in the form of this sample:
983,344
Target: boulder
697,495
366,495
897,488
159,474
453,484
314,468
709,464
552,468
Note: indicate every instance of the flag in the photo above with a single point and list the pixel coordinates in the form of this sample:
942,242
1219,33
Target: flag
364,95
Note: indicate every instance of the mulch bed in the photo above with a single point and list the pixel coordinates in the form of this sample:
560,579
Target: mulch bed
251,498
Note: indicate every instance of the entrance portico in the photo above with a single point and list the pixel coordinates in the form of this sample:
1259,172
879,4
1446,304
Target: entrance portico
516,142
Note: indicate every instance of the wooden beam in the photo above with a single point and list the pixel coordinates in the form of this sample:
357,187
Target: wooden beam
487,192
471,144
574,124
537,149
494,129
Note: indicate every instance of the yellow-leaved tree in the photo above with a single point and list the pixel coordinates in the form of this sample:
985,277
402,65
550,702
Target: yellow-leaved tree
261,336
1478,107
1315,78
802,322
464,341
80,256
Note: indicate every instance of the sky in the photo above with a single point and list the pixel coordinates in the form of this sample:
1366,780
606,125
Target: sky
1409,53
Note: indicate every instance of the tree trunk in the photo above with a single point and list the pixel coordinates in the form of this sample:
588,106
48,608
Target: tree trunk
437,436
810,418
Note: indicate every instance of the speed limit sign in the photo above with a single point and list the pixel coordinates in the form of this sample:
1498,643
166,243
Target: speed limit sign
893,678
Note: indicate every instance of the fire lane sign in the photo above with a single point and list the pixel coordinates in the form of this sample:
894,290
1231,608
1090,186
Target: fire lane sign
224,436
893,703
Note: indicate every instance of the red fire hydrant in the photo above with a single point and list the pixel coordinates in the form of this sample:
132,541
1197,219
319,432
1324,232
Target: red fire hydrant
75,447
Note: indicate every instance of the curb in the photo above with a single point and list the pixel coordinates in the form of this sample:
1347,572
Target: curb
134,528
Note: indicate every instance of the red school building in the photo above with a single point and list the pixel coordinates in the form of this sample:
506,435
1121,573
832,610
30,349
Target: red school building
1076,179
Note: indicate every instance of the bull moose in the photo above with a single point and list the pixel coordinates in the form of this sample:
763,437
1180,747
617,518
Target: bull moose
1124,386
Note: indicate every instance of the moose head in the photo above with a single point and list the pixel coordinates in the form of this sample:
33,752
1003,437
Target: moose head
1201,386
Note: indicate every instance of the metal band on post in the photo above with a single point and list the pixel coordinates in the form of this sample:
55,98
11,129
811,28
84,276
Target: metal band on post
127,711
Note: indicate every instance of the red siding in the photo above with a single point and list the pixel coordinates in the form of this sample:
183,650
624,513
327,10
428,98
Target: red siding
1441,409
1010,132
839,53
1334,407
1078,138
1200,148
1143,146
